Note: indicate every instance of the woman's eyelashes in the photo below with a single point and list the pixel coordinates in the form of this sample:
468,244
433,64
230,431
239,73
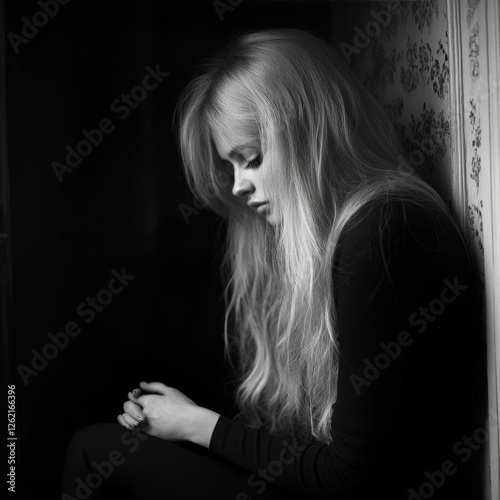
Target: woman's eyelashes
255,162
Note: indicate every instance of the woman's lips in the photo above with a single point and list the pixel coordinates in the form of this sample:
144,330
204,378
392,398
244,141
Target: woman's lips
263,209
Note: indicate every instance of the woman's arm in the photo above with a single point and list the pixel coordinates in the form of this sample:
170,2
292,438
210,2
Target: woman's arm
201,426
167,413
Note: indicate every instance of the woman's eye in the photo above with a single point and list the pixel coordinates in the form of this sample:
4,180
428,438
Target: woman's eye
255,162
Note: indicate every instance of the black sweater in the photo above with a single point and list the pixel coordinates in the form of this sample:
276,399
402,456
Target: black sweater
408,322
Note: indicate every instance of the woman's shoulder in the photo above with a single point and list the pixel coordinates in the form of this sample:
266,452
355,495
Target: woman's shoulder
405,241
390,221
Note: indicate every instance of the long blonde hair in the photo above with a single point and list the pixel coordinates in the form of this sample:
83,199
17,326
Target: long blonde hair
332,150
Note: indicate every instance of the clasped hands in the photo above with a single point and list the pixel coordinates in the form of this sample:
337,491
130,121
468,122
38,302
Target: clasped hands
159,411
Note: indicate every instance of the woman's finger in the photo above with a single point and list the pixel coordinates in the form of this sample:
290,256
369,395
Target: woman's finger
135,395
122,422
134,410
132,422
154,387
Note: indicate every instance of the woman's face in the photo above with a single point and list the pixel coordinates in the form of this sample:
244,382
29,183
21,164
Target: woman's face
251,174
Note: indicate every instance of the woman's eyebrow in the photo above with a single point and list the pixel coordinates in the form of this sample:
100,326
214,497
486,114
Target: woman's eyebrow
244,148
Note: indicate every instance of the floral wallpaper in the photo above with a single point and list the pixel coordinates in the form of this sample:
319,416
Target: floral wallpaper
475,130
407,67
476,95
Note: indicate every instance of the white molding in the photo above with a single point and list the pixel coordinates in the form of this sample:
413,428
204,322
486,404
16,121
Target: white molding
492,243
460,88
457,153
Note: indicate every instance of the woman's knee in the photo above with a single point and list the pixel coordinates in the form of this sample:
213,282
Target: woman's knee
95,438
94,454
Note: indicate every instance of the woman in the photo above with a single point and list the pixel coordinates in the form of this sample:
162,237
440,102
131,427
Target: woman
350,302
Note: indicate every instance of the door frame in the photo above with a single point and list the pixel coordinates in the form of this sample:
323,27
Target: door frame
462,88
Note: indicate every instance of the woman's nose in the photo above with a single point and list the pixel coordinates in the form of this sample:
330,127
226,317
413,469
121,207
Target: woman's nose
242,185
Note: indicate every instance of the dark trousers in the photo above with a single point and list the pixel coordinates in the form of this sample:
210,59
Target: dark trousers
105,461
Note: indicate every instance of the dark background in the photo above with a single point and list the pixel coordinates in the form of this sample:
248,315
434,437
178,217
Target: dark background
118,208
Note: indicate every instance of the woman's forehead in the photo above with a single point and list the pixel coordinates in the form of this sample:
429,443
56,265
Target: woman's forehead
231,143
237,129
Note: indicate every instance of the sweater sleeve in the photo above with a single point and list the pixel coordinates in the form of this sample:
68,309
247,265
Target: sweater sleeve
390,265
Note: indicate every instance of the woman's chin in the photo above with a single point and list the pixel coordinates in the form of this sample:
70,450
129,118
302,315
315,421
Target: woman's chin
271,219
